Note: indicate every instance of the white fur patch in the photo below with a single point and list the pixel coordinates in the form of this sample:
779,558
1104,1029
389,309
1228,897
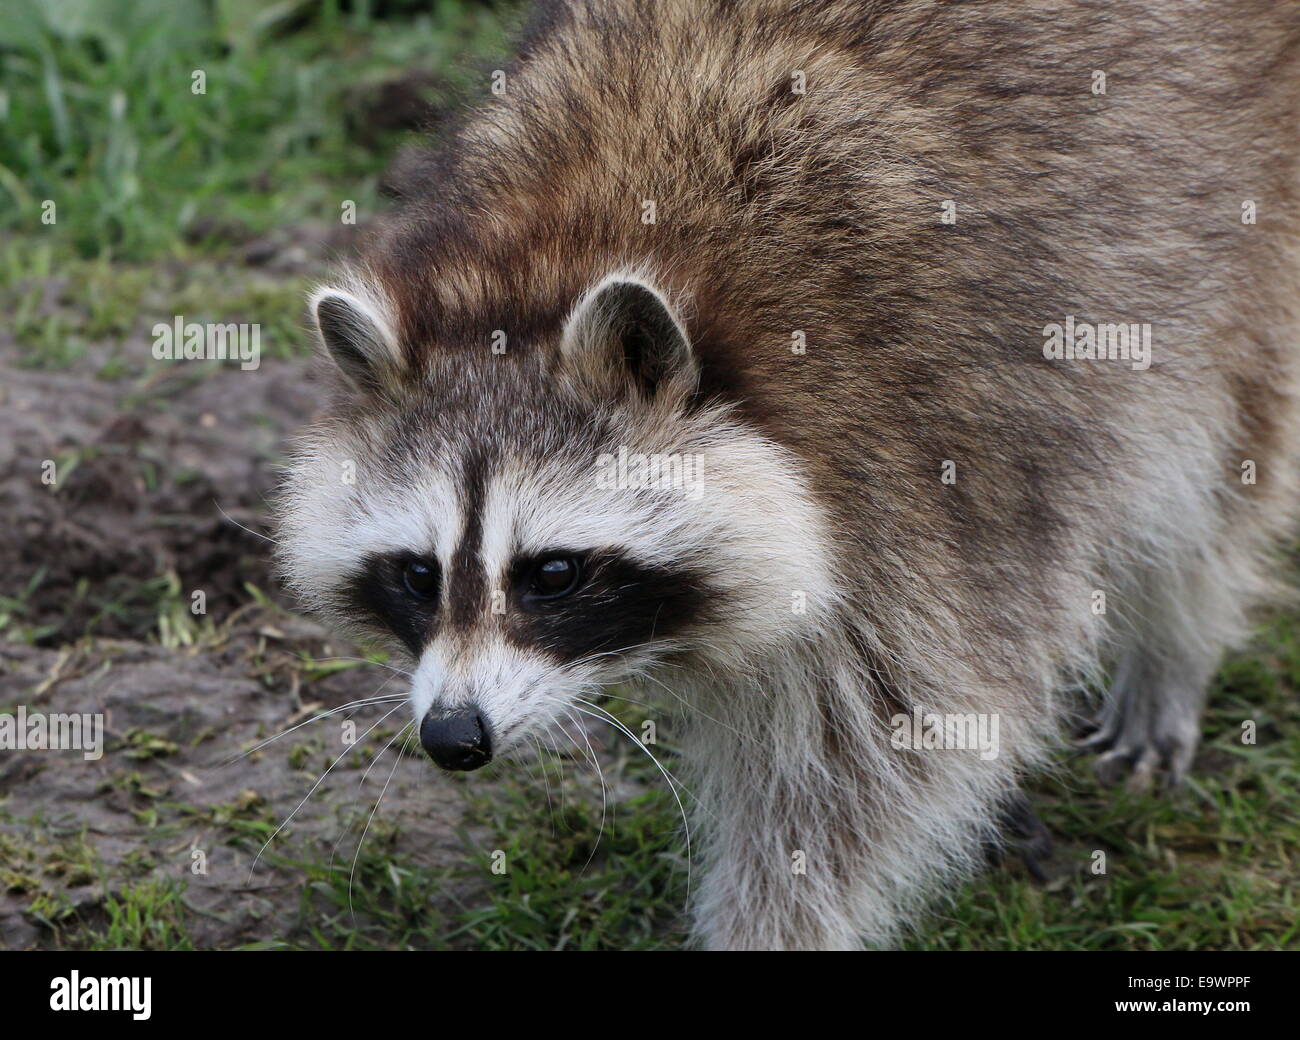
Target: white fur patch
337,514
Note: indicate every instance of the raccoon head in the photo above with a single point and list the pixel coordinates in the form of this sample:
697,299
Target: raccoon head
529,522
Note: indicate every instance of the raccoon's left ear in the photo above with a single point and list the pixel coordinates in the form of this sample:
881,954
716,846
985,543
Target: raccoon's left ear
624,330
356,332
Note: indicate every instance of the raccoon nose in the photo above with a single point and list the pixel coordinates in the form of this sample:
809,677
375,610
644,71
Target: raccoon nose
456,739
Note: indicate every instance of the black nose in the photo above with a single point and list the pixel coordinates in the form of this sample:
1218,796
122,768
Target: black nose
456,739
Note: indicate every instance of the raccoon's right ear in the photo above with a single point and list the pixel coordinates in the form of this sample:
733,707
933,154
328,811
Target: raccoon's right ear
624,332
357,335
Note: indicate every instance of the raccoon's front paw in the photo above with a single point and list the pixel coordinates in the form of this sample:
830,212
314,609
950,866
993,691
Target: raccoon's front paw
1023,831
1144,746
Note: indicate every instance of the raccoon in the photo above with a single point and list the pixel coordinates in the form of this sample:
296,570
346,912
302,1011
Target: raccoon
974,327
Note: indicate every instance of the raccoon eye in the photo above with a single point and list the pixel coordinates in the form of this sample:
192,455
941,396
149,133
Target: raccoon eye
556,577
421,581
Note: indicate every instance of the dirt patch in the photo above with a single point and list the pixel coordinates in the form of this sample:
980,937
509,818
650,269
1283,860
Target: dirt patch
107,487
166,802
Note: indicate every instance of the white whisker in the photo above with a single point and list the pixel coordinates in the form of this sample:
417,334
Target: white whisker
672,783
409,728
353,705
600,775
249,530
317,784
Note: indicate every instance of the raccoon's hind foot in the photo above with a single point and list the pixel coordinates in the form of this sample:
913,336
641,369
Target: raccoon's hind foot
1182,620
1167,757
1147,732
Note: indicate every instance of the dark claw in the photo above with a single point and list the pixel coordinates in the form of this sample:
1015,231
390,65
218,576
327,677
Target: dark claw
1024,831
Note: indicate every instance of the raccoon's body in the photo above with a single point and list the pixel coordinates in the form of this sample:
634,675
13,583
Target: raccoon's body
824,249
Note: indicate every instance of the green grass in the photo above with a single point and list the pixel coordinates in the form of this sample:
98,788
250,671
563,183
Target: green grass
1211,867
148,915
100,114
154,187
547,864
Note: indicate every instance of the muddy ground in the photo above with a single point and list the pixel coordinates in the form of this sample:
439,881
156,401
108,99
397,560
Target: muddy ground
162,474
